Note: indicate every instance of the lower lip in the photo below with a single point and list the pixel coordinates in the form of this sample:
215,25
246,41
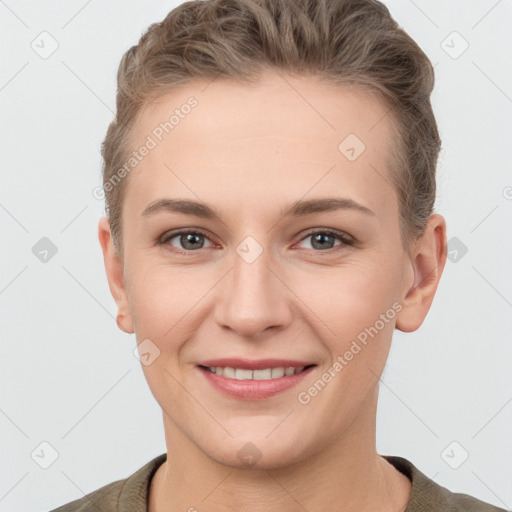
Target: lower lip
254,389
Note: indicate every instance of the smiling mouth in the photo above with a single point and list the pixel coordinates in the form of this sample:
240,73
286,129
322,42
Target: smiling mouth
261,374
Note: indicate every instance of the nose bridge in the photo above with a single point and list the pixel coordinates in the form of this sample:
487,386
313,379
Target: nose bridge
253,297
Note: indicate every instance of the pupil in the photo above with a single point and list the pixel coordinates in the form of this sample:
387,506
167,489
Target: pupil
321,237
190,238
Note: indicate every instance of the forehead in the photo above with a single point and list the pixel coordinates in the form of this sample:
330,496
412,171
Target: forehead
278,137
305,105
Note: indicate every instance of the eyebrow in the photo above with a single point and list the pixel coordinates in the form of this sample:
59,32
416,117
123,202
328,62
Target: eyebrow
295,209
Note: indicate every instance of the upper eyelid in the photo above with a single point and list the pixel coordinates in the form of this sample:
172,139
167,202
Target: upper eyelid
172,233
341,235
168,236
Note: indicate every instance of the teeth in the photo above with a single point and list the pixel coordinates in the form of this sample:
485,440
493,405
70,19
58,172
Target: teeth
244,374
228,372
278,372
241,374
262,374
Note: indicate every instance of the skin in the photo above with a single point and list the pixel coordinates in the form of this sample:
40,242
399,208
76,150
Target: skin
247,151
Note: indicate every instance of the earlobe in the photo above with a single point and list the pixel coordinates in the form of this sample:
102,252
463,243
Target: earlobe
428,260
115,276
124,324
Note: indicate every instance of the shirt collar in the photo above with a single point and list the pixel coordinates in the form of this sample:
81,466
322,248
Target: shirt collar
135,493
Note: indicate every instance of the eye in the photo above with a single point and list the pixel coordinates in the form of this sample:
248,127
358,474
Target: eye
191,240
187,240
324,240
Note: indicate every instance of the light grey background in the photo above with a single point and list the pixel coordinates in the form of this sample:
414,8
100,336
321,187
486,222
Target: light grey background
68,375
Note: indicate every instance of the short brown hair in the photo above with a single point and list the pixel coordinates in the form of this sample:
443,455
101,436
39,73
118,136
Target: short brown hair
342,41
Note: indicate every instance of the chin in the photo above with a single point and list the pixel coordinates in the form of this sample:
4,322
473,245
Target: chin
250,457
258,452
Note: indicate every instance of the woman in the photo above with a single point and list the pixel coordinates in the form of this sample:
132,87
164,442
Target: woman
293,143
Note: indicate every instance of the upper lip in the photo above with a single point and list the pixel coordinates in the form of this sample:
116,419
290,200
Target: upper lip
254,364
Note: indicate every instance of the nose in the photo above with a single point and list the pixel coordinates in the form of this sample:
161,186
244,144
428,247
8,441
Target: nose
254,298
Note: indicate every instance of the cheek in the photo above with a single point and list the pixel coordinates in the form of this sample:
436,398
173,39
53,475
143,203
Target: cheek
360,311
349,300
165,301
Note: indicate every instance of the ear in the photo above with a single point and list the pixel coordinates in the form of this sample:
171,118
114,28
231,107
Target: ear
114,269
428,257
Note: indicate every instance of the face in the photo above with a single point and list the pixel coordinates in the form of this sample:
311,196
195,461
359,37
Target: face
261,232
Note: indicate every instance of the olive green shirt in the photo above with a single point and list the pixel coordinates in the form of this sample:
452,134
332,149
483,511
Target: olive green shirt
131,494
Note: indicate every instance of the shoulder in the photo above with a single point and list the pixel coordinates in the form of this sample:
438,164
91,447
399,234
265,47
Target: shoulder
118,495
104,499
427,495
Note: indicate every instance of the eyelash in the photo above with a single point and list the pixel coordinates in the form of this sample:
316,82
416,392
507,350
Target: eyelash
345,239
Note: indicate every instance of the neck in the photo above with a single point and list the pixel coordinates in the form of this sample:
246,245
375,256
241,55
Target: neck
348,471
